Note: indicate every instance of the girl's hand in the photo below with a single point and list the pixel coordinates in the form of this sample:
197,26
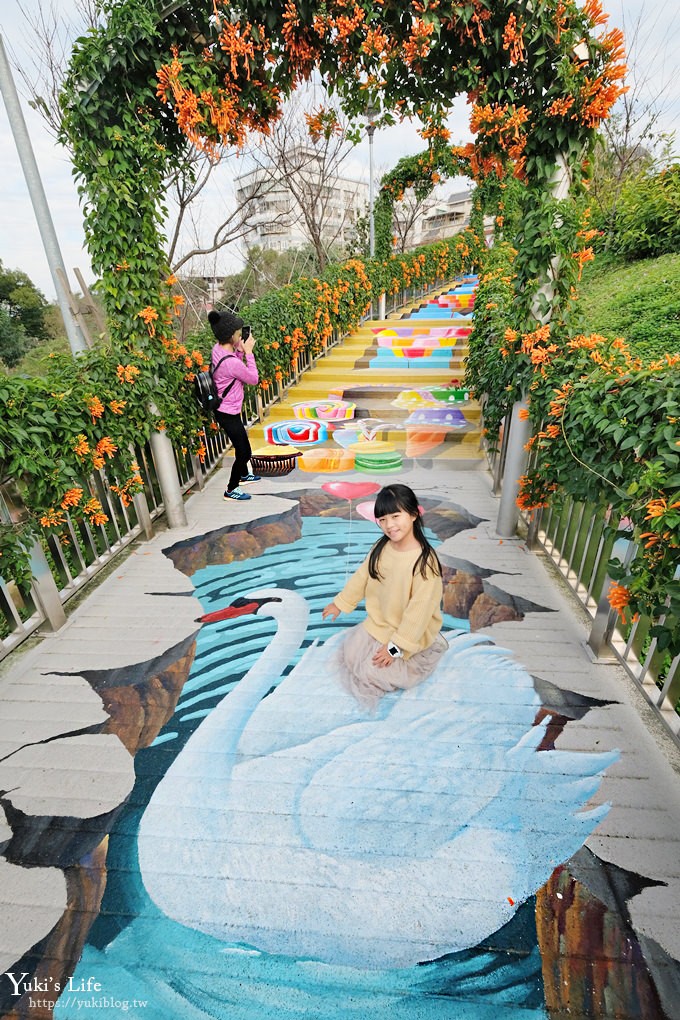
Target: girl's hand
331,610
381,657
249,344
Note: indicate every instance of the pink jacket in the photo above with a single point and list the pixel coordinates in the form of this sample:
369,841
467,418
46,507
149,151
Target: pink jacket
240,367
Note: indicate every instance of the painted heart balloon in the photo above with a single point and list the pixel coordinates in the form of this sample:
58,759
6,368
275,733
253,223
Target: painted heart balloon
350,490
366,510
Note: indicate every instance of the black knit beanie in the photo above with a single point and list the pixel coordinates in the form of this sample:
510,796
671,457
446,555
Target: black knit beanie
224,325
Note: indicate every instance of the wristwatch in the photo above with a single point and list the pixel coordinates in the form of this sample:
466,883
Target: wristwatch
395,652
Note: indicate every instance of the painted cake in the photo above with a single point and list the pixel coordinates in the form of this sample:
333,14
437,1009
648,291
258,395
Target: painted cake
376,456
326,410
324,459
277,460
297,432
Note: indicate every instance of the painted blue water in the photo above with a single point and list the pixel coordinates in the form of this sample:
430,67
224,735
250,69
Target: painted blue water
439,357
436,312
137,955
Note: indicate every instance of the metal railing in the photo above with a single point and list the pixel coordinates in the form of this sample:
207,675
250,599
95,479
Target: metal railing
580,542
62,563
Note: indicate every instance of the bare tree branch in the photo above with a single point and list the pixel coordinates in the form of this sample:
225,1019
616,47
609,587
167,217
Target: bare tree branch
633,139
49,37
309,168
405,217
235,226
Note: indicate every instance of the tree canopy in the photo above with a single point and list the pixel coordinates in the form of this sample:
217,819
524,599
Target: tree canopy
22,315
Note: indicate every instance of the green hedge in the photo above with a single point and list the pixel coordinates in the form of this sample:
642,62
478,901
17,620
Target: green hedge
639,301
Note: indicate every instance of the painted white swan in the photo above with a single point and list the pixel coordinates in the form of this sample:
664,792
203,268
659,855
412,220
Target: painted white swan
300,824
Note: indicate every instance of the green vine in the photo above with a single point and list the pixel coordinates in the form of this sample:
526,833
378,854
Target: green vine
610,436
605,432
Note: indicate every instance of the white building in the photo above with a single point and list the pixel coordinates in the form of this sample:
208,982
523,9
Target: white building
275,207
444,217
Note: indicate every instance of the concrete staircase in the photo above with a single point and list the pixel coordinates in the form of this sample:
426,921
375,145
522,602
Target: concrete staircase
352,372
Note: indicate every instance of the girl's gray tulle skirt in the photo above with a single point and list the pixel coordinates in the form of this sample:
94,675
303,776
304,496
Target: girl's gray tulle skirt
368,683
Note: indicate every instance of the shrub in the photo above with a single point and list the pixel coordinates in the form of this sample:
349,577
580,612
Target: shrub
640,302
646,219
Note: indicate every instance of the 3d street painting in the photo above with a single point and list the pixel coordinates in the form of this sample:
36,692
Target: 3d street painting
284,852
266,848
372,429
406,409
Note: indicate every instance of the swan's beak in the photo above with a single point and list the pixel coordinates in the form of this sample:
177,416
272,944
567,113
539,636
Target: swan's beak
239,607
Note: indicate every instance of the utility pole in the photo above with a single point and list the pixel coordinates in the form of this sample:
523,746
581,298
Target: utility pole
36,191
370,131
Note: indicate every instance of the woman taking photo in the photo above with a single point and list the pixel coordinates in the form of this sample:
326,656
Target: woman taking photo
233,364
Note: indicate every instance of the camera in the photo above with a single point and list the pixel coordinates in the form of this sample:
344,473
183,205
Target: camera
245,332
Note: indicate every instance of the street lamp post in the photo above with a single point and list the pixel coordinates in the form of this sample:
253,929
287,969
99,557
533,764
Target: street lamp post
370,131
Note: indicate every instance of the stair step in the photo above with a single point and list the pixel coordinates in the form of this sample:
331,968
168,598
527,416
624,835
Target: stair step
408,378
371,376
284,411
399,438
435,322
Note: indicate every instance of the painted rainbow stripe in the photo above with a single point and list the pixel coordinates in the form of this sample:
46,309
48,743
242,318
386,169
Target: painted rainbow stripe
296,432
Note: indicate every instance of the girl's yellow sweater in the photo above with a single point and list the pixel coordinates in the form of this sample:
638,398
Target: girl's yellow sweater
401,608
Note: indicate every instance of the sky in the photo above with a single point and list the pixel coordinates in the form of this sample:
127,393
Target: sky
657,61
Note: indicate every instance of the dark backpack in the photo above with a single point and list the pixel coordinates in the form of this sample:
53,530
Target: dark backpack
205,390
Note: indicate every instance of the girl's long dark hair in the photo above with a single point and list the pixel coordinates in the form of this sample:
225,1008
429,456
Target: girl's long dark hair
391,500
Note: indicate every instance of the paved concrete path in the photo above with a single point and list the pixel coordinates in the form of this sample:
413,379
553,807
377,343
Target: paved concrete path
502,842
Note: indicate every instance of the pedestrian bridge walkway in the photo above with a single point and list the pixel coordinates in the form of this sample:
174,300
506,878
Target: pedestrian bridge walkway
197,821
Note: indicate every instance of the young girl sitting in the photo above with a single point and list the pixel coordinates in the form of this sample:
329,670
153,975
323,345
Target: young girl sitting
399,643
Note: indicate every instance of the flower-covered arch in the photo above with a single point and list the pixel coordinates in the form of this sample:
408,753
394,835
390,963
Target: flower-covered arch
160,75
540,74
421,173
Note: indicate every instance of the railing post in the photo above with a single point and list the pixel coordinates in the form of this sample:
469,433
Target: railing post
532,529
198,472
671,688
141,504
166,472
605,616
603,624
143,515
45,588
498,465
381,307
515,465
